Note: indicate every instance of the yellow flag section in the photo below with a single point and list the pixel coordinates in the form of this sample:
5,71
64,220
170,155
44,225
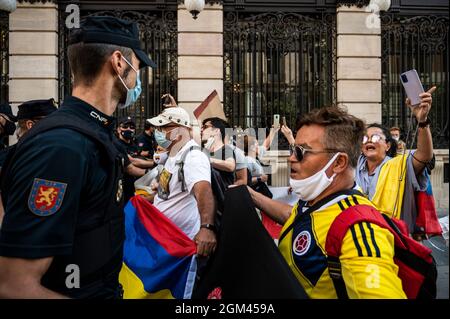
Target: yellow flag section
158,258
134,288
390,188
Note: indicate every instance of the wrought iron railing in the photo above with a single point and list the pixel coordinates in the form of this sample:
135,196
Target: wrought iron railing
4,56
158,30
421,43
277,63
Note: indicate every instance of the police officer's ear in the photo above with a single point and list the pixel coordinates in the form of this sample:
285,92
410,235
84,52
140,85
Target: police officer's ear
118,64
29,124
341,163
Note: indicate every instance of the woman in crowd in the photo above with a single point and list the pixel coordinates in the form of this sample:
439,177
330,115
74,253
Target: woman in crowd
388,180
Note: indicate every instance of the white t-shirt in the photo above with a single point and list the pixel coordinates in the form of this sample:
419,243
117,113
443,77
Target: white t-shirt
254,167
241,161
181,207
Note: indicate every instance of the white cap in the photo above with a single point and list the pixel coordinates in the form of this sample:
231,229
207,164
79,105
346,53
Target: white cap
176,115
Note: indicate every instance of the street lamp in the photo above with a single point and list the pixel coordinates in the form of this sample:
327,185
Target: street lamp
383,5
194,6
8,5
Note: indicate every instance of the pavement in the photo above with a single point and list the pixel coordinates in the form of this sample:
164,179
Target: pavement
439,246
440,254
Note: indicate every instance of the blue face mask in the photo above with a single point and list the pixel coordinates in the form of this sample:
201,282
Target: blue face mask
160,138
132,94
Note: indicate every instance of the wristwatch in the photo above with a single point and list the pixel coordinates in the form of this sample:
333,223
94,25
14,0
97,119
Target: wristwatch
425,124
258,179
211,227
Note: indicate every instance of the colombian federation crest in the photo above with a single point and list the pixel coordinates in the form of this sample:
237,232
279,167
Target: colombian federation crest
46,197
301,243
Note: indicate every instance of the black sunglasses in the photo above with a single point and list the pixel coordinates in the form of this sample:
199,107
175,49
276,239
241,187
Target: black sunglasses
131,126
299,151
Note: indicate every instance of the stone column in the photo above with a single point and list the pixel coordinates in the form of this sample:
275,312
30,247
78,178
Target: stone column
200,55
33,50
359,63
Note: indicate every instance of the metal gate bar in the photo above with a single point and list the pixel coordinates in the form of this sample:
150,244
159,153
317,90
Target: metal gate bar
277,63
421,43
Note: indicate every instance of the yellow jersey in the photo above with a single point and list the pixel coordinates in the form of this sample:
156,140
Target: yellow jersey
367,255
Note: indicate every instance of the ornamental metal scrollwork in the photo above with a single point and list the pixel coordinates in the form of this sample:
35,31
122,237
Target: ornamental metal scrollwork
349,3
421,43
277,63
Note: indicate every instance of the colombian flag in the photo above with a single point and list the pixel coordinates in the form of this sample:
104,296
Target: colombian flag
159,258
427,219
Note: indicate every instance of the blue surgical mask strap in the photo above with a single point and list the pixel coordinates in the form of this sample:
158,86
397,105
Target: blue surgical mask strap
137,72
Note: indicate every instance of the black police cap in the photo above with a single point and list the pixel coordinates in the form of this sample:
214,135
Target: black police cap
126,120
36,108
5,108
111,30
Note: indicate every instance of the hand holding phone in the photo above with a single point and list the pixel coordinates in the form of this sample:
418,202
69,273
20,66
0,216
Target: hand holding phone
421,110
412,85
276,120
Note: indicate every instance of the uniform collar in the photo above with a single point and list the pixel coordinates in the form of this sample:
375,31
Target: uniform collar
88,112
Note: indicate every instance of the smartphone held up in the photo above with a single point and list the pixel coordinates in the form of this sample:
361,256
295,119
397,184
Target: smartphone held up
412,85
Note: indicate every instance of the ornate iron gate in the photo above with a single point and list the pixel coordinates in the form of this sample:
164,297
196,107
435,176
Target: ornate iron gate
277,63
159,36
421,43
4,65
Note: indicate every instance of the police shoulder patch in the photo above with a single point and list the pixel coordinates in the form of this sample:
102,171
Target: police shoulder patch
46,197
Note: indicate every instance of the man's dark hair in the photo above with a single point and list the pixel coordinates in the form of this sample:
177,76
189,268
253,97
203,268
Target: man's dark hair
343,131
392,152
217,123
147,125
87,59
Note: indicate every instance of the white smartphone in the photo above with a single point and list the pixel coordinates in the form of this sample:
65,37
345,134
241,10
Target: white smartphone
412,85
276,120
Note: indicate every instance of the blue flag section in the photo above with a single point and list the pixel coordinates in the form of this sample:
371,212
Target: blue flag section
159,258
247,264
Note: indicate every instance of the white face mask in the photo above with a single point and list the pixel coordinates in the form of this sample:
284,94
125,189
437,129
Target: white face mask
311,187
261,151
160,158
397,138
209,143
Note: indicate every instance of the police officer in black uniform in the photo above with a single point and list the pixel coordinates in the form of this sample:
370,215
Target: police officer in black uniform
146,141
126,131
31,112
125,144
63,230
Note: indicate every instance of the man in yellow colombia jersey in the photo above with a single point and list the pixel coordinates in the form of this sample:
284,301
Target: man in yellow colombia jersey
323,162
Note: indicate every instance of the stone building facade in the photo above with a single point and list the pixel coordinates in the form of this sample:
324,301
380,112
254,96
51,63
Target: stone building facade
348,56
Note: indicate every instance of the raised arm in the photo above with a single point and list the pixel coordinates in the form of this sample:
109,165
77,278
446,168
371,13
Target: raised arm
424,152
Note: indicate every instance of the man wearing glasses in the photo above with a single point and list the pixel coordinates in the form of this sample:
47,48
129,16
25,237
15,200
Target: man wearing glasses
323,161
391,180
